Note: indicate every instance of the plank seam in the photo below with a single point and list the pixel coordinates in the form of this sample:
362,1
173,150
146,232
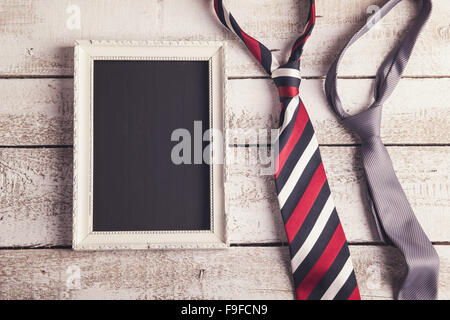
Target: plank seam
233,245
36,147
348,145
339,77
363,77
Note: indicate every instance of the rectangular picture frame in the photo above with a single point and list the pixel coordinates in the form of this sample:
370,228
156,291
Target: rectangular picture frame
86,53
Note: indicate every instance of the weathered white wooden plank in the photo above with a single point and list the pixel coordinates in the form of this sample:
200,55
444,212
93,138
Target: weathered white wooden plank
344,18
36,39
36,195
416,113
40,111
206,274
253,210
36,112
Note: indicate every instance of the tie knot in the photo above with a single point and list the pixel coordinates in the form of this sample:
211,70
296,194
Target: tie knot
287,79
367,123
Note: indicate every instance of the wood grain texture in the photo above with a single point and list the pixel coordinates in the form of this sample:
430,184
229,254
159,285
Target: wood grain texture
36,112
36,40
36,195
40,111
207,274
416,113
36,183
424,173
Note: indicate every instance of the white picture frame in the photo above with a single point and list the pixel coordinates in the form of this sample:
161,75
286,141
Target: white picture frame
86,52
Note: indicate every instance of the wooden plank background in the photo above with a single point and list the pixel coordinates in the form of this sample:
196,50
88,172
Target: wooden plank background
36,111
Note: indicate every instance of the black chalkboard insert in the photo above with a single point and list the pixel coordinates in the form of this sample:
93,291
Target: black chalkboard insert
137,105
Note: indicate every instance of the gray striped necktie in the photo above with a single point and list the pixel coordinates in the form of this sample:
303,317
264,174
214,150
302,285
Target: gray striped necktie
395,220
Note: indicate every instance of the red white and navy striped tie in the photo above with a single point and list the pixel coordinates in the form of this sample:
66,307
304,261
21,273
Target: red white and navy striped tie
320,259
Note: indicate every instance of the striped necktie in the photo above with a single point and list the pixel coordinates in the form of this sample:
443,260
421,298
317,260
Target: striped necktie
320,259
